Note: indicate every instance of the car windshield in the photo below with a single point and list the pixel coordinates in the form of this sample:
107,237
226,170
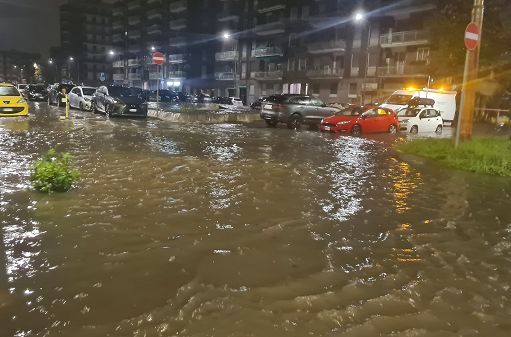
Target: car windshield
88,91
36,88
68,87
410,112
351,111
123,92
9,91
399,99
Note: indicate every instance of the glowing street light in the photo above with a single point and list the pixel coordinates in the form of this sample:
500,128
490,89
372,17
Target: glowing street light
50,61
111,53
359,16
226,36
153,48
71,58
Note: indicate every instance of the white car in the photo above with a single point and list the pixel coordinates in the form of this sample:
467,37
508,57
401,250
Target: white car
81,98
236,101
417,119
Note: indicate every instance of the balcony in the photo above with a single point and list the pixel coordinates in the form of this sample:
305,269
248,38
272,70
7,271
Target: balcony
265,6
228,14
133,5
117,38
402,70
224,76
134,35
134,77
118,77
133,63
326,72
155,76
267,51
175,58
230,55
370,86
177,42
177,24
117,25
271,28
154,30
333,46
117,12
403,39
133,20
178,74
154,14
118,64
178,6
267,75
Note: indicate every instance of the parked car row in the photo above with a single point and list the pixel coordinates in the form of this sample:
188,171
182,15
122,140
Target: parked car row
295,110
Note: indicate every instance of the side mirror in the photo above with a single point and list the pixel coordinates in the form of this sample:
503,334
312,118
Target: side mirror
364,116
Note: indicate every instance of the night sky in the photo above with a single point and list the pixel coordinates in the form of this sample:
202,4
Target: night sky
29,25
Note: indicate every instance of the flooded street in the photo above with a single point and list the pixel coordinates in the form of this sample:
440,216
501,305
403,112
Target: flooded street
242,230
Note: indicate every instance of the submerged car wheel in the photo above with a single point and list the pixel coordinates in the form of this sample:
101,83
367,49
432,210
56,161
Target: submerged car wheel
392,129
82,107
438,130
414,130
356,129
271,122
294,122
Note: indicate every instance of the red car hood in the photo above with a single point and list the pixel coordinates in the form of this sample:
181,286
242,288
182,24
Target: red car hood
337,119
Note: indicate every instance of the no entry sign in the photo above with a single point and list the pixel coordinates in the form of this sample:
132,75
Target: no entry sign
472,36
158,58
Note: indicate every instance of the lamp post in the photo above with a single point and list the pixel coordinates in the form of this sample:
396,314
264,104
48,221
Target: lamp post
226,36
359,17
72,60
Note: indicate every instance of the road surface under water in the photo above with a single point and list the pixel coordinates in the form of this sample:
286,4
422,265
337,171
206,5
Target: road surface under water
239,230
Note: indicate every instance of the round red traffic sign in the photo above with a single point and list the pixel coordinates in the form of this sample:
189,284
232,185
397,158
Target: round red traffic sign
158,58
472,36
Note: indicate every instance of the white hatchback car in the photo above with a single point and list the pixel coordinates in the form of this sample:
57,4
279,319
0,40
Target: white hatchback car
417,119
81,97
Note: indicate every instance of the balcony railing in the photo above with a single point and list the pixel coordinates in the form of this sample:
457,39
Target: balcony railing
226,55
118,64
117,38
228,14
327,46
407,38
177,24
133,20
177,74
133,5
267,51
267,75
402,70
155,76
264,6
118,77
133,63
177,42
175,58
325,72
134,77
154,29
154,13
370,86
270,28
177,6
224,76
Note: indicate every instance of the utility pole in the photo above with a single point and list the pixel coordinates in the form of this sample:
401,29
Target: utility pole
467,106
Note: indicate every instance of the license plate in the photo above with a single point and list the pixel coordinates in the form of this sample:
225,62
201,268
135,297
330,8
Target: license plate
63,100
268,106
133,110
327,128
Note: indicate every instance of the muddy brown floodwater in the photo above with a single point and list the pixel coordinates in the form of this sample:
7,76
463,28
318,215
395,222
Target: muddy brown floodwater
239,230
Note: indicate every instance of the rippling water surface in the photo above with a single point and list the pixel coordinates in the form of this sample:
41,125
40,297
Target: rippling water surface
239,230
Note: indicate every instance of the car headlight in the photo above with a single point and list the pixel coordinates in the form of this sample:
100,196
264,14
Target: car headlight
343,122
404,121
22,100
87,99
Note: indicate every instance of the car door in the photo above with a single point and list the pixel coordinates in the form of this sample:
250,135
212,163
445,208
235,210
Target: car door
429,120
73,96
369,121
381,120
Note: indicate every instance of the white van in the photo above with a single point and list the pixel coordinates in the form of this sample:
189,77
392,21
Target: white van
445,101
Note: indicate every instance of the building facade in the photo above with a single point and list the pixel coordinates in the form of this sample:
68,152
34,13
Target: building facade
254,48
85,42
18,67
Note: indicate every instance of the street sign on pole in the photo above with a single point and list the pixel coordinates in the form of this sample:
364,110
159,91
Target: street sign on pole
158,58
472,36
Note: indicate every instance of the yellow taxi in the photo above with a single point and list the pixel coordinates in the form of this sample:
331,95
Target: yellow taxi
11,101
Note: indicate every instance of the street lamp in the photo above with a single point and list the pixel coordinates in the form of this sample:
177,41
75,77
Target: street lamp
72,59
153,48
226,36
111,53
359,16
50,61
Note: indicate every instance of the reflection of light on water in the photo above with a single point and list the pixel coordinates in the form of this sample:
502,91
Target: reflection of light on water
404,183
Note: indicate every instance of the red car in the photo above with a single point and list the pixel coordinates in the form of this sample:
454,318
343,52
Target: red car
356,121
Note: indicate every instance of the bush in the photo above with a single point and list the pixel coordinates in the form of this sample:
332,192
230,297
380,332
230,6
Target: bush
53,173
482,155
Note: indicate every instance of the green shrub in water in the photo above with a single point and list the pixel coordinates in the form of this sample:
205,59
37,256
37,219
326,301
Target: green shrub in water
53,173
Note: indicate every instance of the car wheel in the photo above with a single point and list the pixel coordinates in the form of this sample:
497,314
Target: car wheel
356,129
438,130
82,107
414,130
294,122
95,108
392,129
271,122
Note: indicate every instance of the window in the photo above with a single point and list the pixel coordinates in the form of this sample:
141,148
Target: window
315,88
353,89
370,113
294,13
382,112
422,54
333,88
301,100
315,102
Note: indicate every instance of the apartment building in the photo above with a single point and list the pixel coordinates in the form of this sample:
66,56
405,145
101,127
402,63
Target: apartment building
17,67
85,41
253,48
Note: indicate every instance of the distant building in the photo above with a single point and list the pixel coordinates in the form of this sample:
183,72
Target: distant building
85,41
253,48
17,67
